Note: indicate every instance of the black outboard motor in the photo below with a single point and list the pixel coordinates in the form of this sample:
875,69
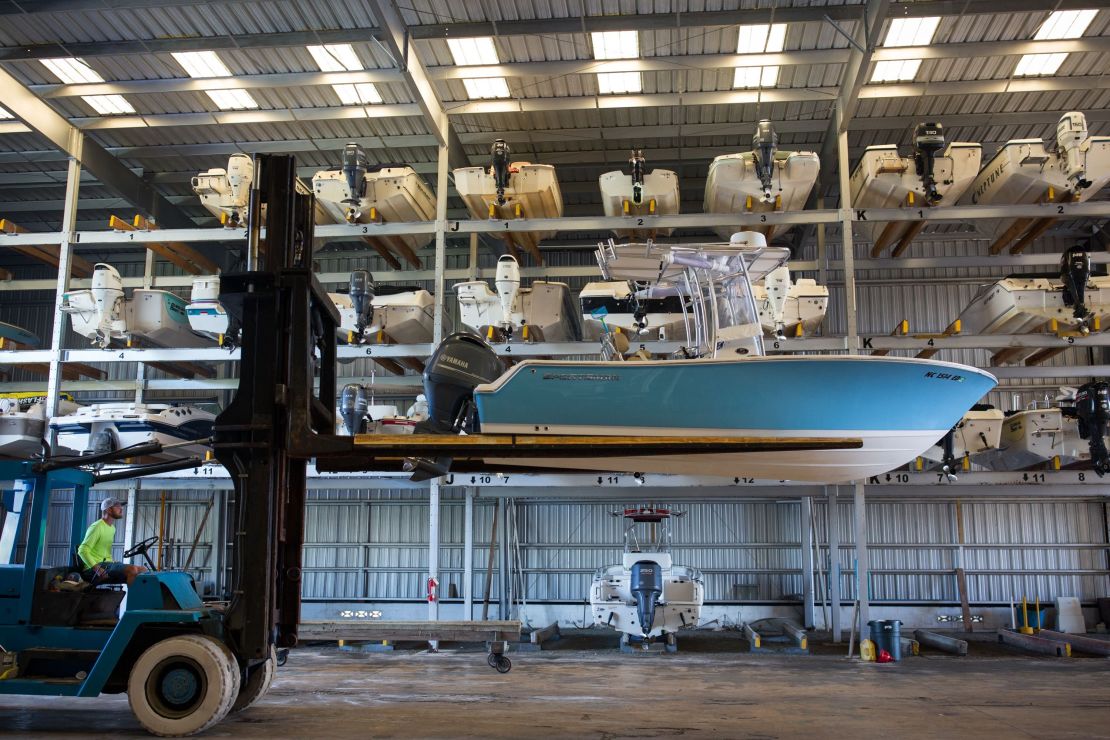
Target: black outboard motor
928,140
353,405
637,162
362,294
1092,408
354,172
765,142
1075,271
647,586
462,362
500,152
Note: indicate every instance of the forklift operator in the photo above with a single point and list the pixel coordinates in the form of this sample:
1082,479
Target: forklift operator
95,550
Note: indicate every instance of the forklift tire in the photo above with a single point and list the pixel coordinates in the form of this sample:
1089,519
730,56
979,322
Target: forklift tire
258,683
183,685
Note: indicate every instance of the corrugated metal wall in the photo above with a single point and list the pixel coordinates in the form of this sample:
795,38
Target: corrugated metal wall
372,546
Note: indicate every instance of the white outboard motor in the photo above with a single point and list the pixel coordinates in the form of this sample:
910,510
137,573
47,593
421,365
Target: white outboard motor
107,293
355,167
240,177
507,282
353,405
928,141
1092,408
638,163
765,142
499,168
647,586
777,285
361,290
1075,271
226,193
1071,147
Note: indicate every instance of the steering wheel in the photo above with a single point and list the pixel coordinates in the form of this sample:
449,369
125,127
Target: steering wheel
141,549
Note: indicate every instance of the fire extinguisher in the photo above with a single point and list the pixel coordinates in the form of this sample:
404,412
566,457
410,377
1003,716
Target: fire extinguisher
433,586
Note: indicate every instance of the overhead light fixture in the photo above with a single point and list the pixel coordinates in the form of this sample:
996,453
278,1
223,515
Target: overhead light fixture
900,70
609,83
486,88
342,58
205,64
74,71
1061,24
911,31
761,38
474,51
616,44
5,115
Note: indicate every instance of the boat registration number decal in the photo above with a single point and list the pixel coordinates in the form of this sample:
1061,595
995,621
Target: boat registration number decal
587,376
945,376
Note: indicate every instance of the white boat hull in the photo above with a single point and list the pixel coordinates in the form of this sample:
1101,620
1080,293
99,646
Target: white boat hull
733,186
157,316
803,311
407,317
977,433
660,197
615,297
679,606
131,424
543,312
21,434
883,179
533,192
1034,437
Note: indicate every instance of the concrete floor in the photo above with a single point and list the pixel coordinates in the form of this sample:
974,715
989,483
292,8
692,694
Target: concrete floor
707,690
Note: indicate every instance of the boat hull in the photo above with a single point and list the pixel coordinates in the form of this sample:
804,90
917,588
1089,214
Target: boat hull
803,311
660,198
898,407
132,424
613,604
157,316
663,318
544,307
533,192
1034,437
733,186
979,432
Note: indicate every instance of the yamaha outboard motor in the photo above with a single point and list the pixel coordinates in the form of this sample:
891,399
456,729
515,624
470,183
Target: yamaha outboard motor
500,167
354,172
765,143
461,363
1075,271
353,405
362,294
928,140
637,162
646,584
1092,408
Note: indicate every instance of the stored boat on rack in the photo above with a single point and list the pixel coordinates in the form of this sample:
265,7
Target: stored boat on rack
185,431
1029,171
384,314
23,423
764,180
929,177
977,433
508,191
226,193
789,307
16,336
895,407
647,596
609,304
358,414
359,192
640,194
103,313
543,312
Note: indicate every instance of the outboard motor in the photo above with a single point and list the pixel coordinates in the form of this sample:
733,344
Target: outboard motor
637,161
777,285
1092,408
240,176
928,140
765,142
507,282
353,405
1075,271
646,584
107,293
500,168
462,362
361,291
1071,133
354,172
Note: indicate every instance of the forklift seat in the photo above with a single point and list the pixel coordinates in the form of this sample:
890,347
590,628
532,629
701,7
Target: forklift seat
91,605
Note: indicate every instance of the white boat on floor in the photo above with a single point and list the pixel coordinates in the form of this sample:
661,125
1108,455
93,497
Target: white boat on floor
640,194
359,192
106,427
23,423
929,177
977,433
543,312
615,304
789,307
646,596
763,180
103,313
512,190
1029,171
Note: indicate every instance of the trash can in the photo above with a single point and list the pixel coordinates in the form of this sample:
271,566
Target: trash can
887,635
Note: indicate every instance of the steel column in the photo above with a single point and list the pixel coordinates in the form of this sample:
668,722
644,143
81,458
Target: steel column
863,561
433,554
833,528
805,512
468,556
503,562
65,253
441,244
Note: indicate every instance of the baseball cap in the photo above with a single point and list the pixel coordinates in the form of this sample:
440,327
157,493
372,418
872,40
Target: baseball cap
110,502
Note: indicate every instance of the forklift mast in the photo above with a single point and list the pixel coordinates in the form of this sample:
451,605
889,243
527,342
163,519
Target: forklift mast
283,413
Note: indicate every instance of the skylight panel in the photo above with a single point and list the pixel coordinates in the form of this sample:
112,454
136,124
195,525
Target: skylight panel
336,58
759,39
616,44
911,31
364,93
203,64
74,71
1031,65
474,51
5,115
108,105
1065,24
609,83
485,88
901,70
